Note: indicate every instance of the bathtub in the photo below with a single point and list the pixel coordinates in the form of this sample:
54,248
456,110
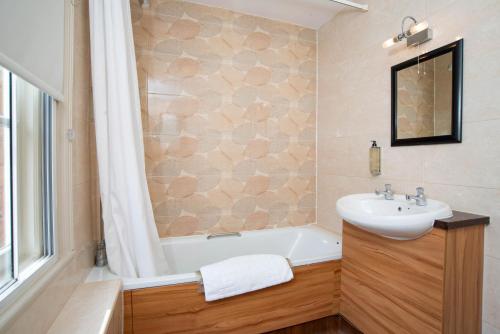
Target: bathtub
185,255
175,303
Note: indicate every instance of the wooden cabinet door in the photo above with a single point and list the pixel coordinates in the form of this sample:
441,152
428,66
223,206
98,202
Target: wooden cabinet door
392,286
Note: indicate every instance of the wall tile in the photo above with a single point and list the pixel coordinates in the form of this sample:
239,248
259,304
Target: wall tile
228,108
354,107
475,162
489,329
491,291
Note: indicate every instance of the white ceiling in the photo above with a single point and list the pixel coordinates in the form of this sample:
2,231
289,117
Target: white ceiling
307,13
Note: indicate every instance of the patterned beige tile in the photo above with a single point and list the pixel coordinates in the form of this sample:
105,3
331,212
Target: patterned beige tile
244,206
183,147
182,186
184,225
184,29
228,109
257,148
256,221
231,224
258,76
258,41
256,185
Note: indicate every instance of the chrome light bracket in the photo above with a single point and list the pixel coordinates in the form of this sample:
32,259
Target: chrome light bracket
419,37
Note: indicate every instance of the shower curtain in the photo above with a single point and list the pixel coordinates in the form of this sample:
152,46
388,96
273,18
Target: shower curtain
132,242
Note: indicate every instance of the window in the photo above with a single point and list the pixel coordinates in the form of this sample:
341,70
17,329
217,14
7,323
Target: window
26,210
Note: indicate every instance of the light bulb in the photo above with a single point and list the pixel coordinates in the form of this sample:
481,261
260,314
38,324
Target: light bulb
390,42
419,27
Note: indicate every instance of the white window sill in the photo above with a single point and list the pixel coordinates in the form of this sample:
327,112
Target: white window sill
24,277
29,285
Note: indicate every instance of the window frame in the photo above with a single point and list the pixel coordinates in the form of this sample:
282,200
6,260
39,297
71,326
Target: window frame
6,122
47,108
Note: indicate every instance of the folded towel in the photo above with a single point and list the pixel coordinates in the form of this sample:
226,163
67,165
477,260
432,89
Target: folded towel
243,274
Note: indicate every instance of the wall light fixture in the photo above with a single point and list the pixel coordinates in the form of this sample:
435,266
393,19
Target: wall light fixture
418,33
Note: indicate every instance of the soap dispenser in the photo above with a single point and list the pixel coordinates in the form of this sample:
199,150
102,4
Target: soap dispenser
375,159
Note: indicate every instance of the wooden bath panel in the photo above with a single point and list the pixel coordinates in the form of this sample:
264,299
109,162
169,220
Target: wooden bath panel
127,312
313,293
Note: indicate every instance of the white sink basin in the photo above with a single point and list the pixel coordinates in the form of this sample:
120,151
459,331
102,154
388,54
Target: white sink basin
396,219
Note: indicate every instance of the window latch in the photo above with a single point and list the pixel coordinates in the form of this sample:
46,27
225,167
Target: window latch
4,122
70,134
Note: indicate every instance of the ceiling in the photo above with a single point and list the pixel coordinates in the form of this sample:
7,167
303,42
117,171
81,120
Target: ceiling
307,13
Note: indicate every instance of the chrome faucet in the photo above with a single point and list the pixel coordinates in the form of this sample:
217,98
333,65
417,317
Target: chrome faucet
388,193
420,198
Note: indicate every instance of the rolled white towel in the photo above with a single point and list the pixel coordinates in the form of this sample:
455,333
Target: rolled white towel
242,274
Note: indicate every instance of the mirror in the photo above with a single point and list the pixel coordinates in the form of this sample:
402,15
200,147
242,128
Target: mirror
427,98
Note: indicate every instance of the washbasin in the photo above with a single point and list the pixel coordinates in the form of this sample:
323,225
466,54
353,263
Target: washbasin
396,219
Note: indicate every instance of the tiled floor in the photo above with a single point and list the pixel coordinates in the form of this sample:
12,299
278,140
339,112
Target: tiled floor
330,325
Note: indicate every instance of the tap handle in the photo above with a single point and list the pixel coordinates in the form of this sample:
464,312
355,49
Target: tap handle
388,187
420,190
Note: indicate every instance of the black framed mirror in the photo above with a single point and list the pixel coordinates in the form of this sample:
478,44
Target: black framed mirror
426,98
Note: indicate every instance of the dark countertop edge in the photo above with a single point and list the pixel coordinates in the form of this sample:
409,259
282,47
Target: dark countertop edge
461,219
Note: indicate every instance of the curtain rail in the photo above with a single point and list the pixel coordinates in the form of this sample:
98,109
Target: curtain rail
363,7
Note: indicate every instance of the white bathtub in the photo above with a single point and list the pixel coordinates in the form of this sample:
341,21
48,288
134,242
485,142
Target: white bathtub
185,255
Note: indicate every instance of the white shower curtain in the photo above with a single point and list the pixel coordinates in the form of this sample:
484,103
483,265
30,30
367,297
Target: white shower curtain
132,242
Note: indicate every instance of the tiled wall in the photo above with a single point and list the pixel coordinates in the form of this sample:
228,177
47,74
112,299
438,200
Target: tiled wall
229,107
85,212
354,107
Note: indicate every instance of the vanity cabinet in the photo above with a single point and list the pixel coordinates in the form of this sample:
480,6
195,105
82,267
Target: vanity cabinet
432,284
